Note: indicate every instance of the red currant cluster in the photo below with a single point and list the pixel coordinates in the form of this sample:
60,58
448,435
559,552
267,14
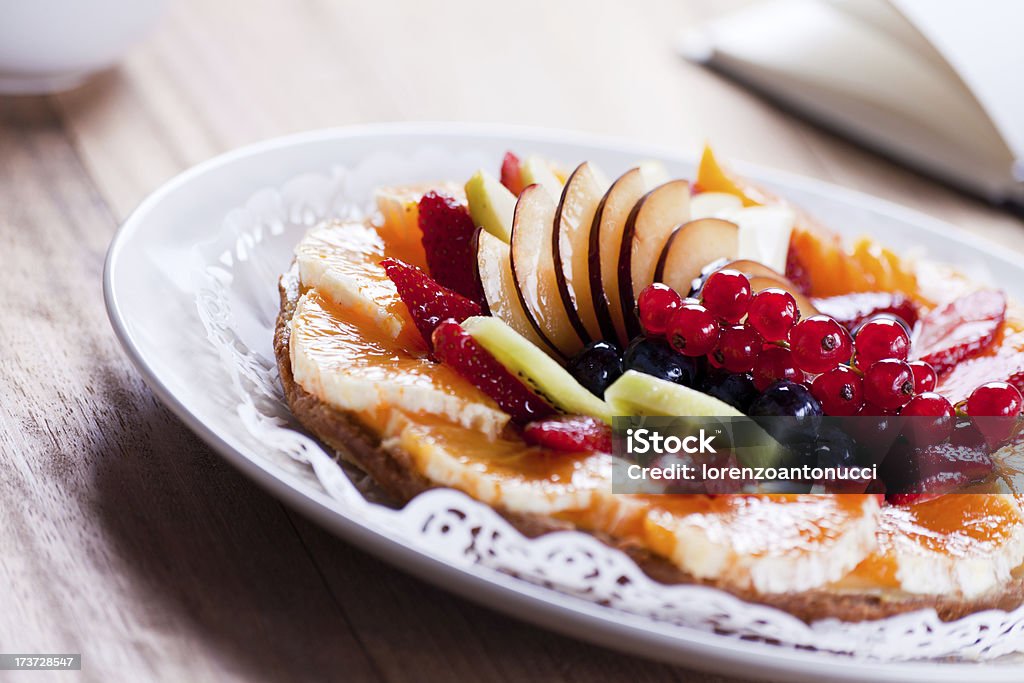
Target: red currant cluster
762,334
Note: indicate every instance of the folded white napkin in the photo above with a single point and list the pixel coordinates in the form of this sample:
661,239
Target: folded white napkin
937,84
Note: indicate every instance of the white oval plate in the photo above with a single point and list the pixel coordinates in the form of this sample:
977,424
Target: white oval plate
151,301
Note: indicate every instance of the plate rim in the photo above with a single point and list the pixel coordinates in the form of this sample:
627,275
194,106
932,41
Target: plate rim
544,607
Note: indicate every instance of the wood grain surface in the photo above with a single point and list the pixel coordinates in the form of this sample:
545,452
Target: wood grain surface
126,539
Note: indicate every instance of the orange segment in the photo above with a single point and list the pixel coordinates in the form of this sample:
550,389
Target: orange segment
711,177
833,268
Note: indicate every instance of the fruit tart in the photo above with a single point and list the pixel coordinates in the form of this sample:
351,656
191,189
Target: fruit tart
484,336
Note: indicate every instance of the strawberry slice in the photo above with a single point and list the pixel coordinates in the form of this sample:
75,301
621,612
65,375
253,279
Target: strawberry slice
428,302
961,329
929,472
449,244
850,310
457,349
1005,365
512,174
570,433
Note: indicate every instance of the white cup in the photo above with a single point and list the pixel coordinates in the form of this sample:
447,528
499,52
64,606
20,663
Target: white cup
52,45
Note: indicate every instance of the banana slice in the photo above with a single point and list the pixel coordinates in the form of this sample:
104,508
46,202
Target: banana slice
343,364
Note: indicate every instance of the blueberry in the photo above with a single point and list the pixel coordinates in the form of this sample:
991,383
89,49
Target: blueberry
655,357
835,448
737,390
596,366
786,399
788,412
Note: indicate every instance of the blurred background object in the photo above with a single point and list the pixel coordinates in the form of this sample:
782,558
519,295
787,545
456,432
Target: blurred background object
936,84
53,45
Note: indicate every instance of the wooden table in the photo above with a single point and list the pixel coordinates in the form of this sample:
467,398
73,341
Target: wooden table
122,536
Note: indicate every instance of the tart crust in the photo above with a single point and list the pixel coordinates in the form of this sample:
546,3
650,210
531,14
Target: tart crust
393,473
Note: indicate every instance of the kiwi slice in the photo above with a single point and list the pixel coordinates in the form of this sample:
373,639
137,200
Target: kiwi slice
637,394
538,370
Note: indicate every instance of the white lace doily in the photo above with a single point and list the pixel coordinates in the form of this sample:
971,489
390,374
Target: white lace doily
236,279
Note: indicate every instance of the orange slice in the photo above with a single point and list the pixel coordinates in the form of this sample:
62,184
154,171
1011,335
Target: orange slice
959,544
342,261
506,472
773,544
711,177
833,268
355,367
399,218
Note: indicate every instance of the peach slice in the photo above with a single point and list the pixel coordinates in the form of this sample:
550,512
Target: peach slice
534,271
605,246
648,227
691,247
574,218
494,271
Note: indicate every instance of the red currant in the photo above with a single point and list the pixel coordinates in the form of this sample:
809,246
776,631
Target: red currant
889,384
997,399
879,339
726,293
839,391
876,429
993,409
693,330
925,378
655,307
775,363
773,312
928,404
819,343
923,431
738,347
